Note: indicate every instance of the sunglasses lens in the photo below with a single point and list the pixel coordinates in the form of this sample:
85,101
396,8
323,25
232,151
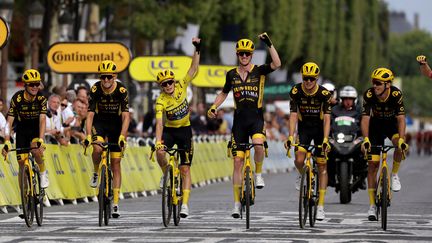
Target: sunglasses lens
243,53
167,83
63,105
34,85
309,79
377,83
103,77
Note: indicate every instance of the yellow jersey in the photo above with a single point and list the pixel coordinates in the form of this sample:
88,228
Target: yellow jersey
175,107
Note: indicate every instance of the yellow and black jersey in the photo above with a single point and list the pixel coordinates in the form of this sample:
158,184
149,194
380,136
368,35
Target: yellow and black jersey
27,112
250,92
108,106
310,107
175,107
386,109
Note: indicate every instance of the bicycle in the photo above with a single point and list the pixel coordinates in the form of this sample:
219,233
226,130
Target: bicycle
172,193
383,192
309,188
32,194
247,197
105,190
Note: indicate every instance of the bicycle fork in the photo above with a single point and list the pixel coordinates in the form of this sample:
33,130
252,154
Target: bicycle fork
176,188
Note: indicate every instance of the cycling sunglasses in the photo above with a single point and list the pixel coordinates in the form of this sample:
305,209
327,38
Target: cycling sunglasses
33,85
167,83
377,83
109,77
310,79
244,53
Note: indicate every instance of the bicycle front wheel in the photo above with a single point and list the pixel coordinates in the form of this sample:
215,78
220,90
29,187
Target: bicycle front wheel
313,201
101,195
27,200
178,185
247,194
39,194
167,195
384,198
107,211
303,197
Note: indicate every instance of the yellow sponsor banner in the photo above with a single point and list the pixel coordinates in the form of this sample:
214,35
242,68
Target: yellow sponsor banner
9,192
211,76
4,32
147,68
84,57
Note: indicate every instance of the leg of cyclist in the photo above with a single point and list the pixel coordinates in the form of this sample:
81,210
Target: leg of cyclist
300,156
20,159
38,155
96,157
237,181
397,159
373,166
259,138
116,183
323,180
168,141
184,139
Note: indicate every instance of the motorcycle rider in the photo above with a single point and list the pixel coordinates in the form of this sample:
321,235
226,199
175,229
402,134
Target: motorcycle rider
348,113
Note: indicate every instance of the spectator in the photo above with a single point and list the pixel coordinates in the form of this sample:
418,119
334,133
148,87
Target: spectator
199,121
54,128
132,130
71,96
82,93
77,129
2,122
147,124
223,123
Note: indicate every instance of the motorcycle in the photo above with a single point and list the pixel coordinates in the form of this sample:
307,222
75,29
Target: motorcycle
347,168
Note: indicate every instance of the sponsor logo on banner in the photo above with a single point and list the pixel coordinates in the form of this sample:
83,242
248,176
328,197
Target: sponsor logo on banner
147,68
211,76
84,57
4,32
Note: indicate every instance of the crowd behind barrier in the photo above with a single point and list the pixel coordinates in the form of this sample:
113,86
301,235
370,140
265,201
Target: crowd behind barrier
69,169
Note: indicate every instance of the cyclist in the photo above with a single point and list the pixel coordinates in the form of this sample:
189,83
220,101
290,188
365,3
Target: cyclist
29,108
172,103
247,82
424,66
383,115
310,108
108,117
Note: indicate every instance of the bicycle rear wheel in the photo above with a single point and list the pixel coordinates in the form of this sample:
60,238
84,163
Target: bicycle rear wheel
313,201
176,208
167,195
101,195
248,195
303,197
107,214
27,199
384,198
39,194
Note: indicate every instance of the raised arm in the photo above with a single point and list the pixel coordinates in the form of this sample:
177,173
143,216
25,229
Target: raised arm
424,66
276,62
196,57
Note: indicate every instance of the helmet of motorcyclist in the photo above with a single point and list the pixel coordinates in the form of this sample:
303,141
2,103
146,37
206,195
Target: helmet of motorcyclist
348,92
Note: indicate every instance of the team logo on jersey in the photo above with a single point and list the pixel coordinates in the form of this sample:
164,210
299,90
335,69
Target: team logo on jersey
294,90
122,90
94,88
19,98
402,109
325,92
369,94
395,93
40,97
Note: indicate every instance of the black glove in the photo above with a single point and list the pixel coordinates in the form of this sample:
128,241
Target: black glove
197,46
266,39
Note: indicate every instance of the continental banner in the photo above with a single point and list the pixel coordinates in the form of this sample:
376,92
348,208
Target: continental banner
146,68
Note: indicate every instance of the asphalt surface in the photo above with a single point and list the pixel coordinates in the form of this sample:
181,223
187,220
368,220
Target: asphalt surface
274,216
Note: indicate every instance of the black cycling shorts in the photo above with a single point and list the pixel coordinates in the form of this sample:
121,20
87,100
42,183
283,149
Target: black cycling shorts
182,137
24,136
379,130
246,124
108,129
308,133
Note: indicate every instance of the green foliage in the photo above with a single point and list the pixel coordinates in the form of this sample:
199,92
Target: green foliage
416,102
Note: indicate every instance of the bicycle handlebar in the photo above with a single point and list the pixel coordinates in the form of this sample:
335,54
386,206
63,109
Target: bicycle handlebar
247,146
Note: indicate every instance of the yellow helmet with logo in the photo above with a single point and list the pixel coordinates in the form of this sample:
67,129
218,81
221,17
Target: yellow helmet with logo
31,76
382,74
163,75
310,69
245,45
107,66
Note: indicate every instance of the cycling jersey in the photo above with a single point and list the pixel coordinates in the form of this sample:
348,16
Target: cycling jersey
175,107
108,106
27,114
249,93
386,109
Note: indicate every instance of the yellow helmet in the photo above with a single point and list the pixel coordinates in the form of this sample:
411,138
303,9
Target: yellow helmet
382,74
165,75
245,45
107,66
310,69
31,76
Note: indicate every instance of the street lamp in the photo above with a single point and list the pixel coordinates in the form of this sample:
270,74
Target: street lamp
35,24
6,9
65,21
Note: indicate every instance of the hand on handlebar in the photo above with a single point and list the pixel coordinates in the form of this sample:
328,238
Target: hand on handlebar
211,113
288,144
366,146
403,147
7,146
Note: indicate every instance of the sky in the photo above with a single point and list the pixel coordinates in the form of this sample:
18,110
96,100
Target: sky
422,7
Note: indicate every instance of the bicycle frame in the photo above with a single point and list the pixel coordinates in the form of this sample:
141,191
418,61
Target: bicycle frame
384,150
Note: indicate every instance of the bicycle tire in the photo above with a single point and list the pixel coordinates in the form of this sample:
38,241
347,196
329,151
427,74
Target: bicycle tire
303,197
384,198
27,199
38,198
167,195
248,195
176,208
313,201
108,198
101,195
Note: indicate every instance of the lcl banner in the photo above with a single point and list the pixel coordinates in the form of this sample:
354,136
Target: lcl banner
211,76
146,68
4,32
84,57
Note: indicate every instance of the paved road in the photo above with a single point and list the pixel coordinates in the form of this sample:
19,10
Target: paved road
274,216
